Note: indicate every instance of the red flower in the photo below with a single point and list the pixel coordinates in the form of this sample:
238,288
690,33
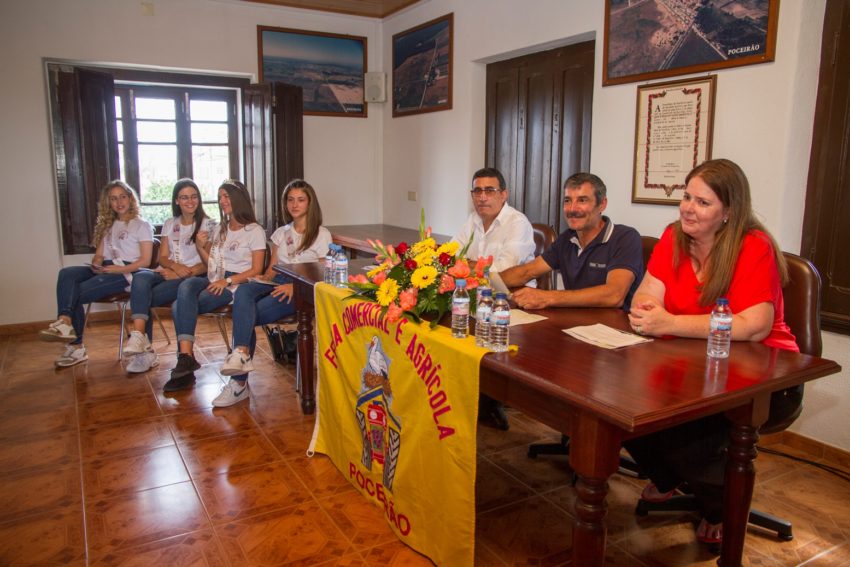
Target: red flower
402,247
410,264
445,259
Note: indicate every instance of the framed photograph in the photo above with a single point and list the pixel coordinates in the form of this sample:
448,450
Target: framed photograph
656,38
328,67
673,134
422,67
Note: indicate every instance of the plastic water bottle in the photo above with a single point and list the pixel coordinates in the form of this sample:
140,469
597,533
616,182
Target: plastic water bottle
460,310
482,317
341,268
329,265
499,321
720,333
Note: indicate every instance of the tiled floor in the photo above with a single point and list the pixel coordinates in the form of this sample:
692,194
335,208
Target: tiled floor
101,468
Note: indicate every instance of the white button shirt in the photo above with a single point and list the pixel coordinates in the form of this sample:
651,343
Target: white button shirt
510,239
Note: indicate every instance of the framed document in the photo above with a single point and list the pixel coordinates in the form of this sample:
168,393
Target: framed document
672,136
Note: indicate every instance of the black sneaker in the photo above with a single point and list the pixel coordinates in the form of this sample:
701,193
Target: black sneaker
181,383
186,364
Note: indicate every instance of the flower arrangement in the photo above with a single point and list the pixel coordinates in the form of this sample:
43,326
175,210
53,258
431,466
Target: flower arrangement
418,279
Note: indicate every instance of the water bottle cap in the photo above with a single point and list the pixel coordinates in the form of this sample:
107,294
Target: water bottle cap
460,282
722,301
486,291
501,295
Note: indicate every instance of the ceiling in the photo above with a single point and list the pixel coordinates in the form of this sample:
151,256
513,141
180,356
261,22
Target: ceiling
368,8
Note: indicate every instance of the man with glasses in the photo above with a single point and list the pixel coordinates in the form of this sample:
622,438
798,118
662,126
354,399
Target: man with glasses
501,231
601,263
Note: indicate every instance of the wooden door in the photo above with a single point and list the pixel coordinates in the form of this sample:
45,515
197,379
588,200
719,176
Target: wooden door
538,125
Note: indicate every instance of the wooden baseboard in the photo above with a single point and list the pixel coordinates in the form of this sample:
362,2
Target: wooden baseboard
817,449
111,315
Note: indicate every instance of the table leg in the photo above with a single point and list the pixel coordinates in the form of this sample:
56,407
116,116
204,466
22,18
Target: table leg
306,365
740,478
594,456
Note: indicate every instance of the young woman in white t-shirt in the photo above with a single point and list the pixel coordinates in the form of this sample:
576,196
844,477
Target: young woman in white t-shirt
301,239
179,258
123,244
234,256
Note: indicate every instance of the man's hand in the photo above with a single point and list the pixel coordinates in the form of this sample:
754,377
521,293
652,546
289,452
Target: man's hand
531,298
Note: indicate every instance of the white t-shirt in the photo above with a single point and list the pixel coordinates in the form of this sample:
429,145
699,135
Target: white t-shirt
233,254
121,242
287,240
180,248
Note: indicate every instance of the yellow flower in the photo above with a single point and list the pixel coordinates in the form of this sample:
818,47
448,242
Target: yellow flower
423,277
425,258
449,248
423,245
376,270
387,292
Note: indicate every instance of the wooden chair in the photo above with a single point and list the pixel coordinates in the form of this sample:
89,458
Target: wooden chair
802,314
122,299
648,244
544,237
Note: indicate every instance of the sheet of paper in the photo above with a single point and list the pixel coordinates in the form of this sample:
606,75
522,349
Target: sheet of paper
520,317
605,336
262,281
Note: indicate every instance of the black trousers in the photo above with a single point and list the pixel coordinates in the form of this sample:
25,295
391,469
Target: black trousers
693,452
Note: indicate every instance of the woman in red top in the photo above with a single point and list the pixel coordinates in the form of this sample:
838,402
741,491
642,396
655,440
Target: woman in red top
717,248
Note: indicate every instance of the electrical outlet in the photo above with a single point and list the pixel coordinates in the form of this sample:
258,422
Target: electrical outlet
411,195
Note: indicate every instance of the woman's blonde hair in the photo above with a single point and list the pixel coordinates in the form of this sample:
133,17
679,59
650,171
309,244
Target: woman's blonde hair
729,183
105,215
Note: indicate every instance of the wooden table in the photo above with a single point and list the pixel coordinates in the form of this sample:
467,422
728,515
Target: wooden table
353,236
601,397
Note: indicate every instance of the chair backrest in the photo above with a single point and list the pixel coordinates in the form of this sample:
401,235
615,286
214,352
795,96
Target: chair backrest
802,314
544,237
155,254
648,243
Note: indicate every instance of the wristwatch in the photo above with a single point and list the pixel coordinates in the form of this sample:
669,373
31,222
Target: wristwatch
229,280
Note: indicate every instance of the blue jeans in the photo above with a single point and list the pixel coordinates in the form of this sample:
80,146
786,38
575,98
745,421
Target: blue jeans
79,285
150,289
254,305
192,300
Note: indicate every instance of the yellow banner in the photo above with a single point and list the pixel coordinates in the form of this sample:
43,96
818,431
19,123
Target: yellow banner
398,405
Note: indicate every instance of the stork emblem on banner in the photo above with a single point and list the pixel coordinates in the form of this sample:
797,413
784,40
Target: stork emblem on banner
379,428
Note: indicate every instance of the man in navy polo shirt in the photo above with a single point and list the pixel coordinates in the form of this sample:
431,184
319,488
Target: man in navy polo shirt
601,263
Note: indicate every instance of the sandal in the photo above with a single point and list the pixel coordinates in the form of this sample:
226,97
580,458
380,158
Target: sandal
710,533
652,494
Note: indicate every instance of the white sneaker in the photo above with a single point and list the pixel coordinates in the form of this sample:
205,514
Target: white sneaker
234,392
73,355
142,362
237,363
58,330
136,344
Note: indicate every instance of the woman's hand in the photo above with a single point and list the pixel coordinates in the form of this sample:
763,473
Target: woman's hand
169,274
649,317
217,287
202,239
283,291
180,270
111,269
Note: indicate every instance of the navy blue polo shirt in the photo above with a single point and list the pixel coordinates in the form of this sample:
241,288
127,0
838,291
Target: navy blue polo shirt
615,247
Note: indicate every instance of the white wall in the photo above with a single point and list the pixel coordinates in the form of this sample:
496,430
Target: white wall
363,168
763,121
342,156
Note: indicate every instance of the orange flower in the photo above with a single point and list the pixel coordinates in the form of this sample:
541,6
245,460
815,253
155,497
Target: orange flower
379,278
447,283
394,313
459,270
359,278
471,283
481,264
407,298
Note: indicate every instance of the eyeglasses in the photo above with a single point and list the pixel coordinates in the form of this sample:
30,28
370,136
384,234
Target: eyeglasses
193,197
488,191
